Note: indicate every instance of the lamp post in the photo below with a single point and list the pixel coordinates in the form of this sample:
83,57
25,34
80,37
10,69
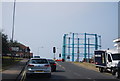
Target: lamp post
13,25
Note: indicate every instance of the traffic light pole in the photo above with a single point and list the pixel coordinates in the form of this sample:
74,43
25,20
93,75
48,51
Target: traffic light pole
54,56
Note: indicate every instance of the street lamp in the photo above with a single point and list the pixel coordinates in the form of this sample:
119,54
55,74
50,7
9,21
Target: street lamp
13,24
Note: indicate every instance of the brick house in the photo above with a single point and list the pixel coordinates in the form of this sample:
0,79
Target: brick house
21,50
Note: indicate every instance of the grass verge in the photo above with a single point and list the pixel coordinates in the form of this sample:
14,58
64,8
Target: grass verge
87,65
8,62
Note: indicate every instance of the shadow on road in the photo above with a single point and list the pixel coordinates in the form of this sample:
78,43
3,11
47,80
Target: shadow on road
44,78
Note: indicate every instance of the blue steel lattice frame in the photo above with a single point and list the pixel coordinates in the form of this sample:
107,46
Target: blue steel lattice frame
64,47
73,47
85,45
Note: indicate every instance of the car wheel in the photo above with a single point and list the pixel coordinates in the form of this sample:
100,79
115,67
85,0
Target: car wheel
101,70
117,74
113,70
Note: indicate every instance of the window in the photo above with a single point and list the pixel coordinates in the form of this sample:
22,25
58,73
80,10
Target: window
116,56
39,61
109,58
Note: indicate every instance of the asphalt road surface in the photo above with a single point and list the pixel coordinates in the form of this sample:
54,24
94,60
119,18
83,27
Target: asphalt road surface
68,71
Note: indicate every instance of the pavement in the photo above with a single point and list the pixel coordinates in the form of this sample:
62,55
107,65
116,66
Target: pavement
12,72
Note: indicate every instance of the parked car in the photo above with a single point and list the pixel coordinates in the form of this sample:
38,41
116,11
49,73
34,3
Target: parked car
38,66
52,64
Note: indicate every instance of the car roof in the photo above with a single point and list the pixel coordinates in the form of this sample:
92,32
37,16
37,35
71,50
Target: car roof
37,58
50,59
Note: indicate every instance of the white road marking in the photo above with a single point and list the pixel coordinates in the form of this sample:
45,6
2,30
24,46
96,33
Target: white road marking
60,66
89,78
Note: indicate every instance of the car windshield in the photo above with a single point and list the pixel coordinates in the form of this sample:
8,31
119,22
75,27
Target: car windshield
39,61
116,56
51,61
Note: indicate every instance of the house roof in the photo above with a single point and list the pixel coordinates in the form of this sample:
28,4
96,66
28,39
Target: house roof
20,45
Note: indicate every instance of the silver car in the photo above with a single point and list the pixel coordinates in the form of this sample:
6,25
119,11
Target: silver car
38,66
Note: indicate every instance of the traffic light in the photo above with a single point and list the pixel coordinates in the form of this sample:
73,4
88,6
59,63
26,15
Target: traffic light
68,57
54,50
59,55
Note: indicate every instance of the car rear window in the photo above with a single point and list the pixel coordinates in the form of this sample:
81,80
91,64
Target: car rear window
36,56
39,61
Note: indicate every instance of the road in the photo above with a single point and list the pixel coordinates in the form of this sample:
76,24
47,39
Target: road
68,71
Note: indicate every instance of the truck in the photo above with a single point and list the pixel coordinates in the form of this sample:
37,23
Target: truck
108,60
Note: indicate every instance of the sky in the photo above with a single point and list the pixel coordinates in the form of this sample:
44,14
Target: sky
41,25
